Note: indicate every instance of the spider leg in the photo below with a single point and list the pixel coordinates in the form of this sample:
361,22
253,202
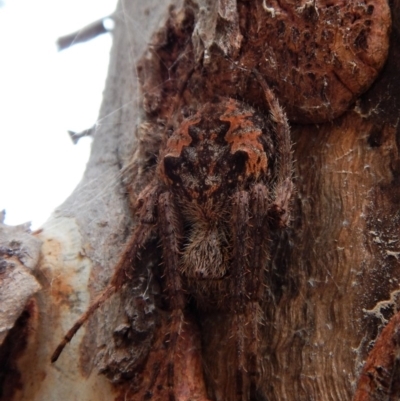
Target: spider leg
240,220
250,245
279,210
139,238
171,232
258,256
78,324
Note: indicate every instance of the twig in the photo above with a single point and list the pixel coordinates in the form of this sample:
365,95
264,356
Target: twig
85,34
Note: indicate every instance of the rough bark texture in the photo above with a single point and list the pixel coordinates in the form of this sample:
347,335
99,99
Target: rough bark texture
19,255
333,276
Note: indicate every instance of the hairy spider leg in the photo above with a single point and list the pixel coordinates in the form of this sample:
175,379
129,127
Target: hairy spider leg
250,226
248,267
171,232
279,210
139,238
258,255
240,225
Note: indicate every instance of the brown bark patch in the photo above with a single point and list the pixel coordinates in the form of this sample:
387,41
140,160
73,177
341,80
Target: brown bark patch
318,55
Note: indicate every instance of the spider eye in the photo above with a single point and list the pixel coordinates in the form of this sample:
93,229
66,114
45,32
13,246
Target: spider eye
171,165
240,158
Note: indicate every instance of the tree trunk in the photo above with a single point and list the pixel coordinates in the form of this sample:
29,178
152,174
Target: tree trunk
332,281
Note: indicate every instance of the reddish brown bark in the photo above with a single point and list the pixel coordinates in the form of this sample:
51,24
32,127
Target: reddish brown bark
380,379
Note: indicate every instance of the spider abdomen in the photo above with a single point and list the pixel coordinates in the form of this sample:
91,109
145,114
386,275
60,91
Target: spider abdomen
205,256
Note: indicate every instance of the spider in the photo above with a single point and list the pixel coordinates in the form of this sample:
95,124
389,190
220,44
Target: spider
223,181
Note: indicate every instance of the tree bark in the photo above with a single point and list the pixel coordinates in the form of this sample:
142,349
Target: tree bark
332,278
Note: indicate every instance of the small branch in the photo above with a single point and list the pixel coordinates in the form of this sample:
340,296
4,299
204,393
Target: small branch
85,34
75,136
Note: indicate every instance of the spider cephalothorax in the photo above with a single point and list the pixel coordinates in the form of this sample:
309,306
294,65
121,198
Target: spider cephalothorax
221,149
222,182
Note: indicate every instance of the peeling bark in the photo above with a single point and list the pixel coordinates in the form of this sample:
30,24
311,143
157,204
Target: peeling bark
379,379
19,256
